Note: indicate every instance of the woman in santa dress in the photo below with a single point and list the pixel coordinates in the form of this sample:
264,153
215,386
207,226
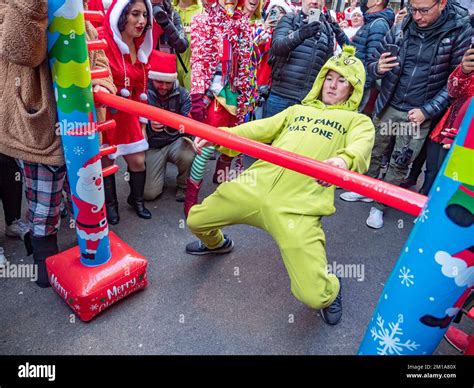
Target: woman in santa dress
127,29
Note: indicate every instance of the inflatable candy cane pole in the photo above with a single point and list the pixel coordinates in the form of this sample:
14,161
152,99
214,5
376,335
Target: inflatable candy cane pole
436,268
101,270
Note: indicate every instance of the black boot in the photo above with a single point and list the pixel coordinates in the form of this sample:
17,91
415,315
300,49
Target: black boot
111,200
43,247
135,199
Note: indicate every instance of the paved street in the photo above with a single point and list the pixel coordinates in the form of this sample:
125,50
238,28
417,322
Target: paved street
238,303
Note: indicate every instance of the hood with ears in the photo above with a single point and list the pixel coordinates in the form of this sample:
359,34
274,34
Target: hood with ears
351,68
144,43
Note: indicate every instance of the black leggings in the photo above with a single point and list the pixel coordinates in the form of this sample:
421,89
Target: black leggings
434,160
11,188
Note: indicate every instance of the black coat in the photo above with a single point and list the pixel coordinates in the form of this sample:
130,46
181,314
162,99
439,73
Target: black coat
369,36
451,42
296,62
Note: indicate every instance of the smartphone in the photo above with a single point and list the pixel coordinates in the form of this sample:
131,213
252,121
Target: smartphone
392,49
274,14
402,4
314,15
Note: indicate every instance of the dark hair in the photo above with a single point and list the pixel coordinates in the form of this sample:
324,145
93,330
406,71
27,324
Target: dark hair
122,22
385,3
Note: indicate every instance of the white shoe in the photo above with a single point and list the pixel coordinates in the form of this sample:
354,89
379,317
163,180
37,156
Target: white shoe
375,219
3,259
350,196
17,229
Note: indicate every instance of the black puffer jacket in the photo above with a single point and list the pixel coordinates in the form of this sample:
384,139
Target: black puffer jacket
296,62
369,36
451,41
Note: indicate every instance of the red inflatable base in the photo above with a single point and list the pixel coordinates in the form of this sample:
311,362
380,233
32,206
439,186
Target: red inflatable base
90,290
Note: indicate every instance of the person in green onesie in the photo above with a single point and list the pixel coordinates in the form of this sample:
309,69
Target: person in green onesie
288,205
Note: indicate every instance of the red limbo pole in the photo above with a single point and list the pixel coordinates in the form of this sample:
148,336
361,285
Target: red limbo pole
394,196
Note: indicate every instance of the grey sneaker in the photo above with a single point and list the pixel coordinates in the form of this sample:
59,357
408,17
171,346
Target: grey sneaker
17,229
198,248
375,219
350,196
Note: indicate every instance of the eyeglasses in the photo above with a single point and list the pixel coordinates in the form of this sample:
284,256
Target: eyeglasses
422,11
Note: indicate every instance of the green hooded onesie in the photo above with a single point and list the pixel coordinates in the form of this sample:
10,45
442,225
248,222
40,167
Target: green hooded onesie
287,204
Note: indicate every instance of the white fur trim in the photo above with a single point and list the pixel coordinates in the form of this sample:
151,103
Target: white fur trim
126,149
280,3
143,120
147,46
92,236
165,77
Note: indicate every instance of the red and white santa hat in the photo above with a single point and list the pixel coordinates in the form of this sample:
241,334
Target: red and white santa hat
277,3
162,67
89,166
111,24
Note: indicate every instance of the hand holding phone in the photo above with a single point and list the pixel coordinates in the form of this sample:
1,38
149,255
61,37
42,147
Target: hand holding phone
385,65
274,14
314,15
392,49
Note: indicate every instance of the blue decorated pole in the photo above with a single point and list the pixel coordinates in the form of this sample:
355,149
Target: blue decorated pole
71,72
436,267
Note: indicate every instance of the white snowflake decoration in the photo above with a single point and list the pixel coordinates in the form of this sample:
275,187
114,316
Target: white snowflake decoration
78,150
389,339
407,278
94,307
423,215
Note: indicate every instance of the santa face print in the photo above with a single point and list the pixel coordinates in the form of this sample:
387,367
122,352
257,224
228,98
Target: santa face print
336,89
89,185
137,18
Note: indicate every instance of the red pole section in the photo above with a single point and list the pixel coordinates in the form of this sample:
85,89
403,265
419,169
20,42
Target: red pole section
94,16
106,125
107,150
110,170
99,73
99,44
394,196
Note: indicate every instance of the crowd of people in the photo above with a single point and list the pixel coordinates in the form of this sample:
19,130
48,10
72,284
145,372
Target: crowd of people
370,89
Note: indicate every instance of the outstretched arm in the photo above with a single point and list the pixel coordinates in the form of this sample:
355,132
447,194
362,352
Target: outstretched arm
264,131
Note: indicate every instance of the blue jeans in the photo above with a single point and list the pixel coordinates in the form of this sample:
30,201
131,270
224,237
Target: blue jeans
277,104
